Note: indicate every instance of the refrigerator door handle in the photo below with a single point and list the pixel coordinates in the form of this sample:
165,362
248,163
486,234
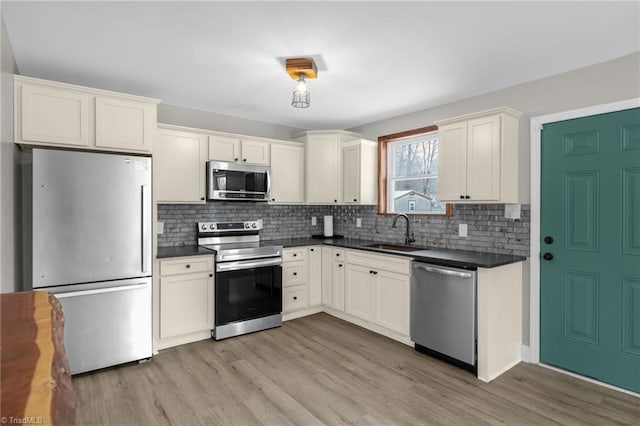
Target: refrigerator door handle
146,228
99,291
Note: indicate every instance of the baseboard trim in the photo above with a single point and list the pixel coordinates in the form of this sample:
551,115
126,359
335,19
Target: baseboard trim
302,313
524,353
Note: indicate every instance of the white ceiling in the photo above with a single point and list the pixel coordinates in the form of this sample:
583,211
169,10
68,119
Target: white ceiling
376,59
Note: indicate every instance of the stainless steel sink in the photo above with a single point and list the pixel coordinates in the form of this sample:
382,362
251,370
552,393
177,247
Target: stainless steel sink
393,247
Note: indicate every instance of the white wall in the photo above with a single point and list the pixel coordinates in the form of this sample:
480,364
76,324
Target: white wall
10,270
606,82
181,116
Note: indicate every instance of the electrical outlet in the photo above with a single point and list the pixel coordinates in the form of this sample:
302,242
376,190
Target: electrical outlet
160,228
462,230
314,221
358,223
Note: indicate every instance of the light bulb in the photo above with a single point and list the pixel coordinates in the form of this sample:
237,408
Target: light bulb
301,86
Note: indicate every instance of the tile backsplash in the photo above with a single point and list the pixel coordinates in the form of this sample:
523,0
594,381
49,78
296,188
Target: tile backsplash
488,229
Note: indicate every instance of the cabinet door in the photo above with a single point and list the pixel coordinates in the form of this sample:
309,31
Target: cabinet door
186,304
53,115
452,162
315,276
255,152
337,281
359,292
224,148
392,300
179,166
327,276
483,158
294,298
124,124
351,174
287,174
323,169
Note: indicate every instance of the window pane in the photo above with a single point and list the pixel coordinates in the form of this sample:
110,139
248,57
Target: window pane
417,195
416,158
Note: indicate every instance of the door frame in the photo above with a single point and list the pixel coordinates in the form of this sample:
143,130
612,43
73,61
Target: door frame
536,143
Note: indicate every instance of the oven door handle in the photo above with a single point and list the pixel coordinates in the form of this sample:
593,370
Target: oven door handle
247,264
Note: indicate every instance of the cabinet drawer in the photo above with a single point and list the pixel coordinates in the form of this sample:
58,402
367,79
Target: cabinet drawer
186,265
338,254
298,253
294,273
379,262
294,298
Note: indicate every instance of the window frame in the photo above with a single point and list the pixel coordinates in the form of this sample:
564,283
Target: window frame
383,142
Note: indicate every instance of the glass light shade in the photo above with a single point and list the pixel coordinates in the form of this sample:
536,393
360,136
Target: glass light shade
301,95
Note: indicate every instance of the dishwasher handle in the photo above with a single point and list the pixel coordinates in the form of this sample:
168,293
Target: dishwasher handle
449,272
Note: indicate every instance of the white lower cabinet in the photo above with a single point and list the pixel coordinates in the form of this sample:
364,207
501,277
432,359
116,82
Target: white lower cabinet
186,300
392,301
359,292
301,279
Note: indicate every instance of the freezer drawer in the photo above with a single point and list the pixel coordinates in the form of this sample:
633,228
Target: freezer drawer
443,311
106,323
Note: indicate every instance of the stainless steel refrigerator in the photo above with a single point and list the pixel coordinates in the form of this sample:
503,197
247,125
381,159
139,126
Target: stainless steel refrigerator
89,244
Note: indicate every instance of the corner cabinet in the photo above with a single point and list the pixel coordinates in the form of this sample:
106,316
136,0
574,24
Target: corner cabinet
179,161
186,300
65,115
480,158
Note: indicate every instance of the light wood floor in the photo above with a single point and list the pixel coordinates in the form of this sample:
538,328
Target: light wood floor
321,370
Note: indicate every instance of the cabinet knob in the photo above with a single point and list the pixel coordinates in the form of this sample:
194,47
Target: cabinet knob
467,197
235,159
311,249
462,197
273,199
337,254
335,201
244,160
188,266
295,273
340,265
355,199
295,254
202,198
211,275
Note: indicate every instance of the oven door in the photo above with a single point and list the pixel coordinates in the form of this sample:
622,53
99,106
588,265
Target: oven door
246,290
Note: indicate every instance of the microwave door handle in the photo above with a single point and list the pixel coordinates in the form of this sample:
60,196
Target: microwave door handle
268,185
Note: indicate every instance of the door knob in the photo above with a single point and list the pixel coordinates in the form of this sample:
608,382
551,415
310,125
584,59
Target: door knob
547,256
548,239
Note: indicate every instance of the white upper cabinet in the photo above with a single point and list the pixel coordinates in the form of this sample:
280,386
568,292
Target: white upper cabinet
360,172
124,124
480,158
59,114
324,172
236,149
179,160
287,173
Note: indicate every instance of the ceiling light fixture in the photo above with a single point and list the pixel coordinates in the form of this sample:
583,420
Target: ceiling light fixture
300,69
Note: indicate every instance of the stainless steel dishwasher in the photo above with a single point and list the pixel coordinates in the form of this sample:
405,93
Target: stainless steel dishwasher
443,313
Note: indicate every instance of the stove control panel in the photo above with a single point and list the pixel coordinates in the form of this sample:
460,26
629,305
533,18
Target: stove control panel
221,227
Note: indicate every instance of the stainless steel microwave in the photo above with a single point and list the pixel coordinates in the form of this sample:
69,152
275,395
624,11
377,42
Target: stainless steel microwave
237,182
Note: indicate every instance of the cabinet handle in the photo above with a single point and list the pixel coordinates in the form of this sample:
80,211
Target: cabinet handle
462,197
295,254
202,198
355,199
340,265
273,199
295,297
244,159
337,254
295,273
311,249
235,159
467,197
188,266
211,275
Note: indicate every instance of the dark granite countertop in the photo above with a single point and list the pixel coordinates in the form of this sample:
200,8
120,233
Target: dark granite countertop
437,256
164,252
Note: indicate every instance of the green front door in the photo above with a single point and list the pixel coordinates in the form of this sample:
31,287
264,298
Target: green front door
590,247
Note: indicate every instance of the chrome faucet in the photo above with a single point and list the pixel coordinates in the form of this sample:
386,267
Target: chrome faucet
408,239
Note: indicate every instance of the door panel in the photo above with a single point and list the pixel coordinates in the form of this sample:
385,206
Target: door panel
590,273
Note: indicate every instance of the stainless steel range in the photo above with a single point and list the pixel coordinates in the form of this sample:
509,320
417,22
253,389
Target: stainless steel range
248,286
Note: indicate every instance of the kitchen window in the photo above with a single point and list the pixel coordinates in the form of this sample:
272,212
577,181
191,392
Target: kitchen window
408,178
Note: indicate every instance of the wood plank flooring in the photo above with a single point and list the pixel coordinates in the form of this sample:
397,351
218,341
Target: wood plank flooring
322,370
